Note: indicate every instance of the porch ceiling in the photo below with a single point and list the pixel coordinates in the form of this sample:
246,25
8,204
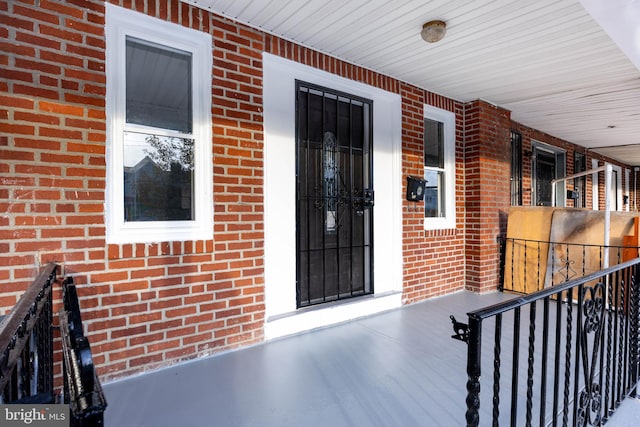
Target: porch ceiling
553,63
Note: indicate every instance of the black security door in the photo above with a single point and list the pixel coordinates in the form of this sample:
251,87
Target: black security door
334,190
545,173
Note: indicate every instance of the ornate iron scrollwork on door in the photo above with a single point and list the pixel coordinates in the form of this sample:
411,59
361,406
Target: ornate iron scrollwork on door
333,185
333,191
334,195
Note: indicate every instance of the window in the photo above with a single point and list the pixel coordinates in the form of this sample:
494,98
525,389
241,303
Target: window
159,185
516,168
580,183
548,164
439,168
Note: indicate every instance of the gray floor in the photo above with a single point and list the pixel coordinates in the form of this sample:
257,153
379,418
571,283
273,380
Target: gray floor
627,415
399,368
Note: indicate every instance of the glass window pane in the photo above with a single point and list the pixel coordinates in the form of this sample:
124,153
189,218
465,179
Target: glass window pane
158,178
433,144
434,194
158,86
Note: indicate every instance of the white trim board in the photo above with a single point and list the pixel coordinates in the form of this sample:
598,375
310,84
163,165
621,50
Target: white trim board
282,317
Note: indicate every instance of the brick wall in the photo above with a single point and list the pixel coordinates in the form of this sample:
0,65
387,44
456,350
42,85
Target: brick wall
144,305
52,97
487,194
434,260
148,305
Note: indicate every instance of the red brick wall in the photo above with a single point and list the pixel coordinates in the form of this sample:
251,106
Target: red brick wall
433,259
144,304
148,305
52,146
487,192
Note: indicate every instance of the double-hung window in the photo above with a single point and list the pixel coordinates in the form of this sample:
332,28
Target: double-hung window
439,168
159,185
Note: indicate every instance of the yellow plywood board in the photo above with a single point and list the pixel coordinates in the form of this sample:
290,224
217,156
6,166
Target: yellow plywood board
579,235
532,223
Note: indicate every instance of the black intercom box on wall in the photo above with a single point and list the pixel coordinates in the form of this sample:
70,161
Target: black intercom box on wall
415,188
573,194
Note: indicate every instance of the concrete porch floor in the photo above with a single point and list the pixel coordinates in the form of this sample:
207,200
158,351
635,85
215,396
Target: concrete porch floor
399,368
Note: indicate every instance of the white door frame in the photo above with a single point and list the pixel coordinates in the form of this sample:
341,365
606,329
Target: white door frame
282,317
560,171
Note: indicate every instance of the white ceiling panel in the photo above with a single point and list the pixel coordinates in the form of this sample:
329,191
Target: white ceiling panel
548,61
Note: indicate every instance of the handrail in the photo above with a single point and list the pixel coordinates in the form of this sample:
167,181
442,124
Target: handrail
608,170
519,301
575,351
33,310
27,358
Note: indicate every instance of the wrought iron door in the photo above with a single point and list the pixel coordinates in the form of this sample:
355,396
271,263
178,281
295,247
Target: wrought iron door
334,230
545,173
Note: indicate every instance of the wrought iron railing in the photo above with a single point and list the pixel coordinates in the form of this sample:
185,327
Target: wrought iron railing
565,355
530,265
27,359
82,389
26,343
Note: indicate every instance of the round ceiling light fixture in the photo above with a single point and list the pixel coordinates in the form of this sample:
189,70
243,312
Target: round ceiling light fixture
433,31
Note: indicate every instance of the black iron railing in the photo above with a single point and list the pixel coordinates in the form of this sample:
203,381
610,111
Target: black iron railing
82,389
27,358
530,265
566,355
26,343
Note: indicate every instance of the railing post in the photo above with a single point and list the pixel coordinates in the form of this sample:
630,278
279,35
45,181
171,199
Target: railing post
502,243
635,329
82,391
473,371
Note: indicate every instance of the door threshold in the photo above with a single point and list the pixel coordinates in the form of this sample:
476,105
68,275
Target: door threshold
330,314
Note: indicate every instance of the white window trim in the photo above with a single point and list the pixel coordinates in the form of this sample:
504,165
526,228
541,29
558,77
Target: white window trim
448,119
121,23
560,156
627,179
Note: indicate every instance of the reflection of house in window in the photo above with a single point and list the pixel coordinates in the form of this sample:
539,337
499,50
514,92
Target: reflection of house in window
154,194
431,201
